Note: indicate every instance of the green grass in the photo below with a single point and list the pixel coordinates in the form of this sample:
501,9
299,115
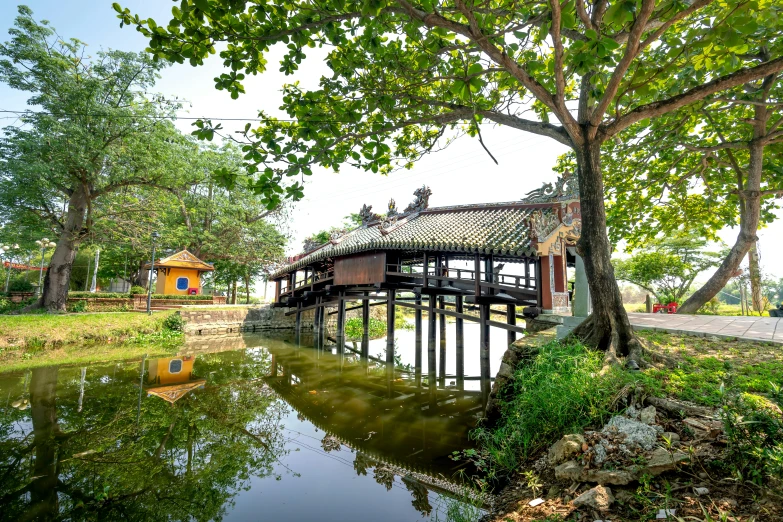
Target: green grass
559,391
704,365
37,339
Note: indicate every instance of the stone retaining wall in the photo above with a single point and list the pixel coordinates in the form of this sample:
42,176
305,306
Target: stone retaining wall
201,322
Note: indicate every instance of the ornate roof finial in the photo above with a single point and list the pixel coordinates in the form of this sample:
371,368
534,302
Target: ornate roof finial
392,210
367,215
422,200
566,187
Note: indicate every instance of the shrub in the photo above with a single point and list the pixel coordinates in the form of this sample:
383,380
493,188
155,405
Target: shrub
77,307
136,290
354,328
98,295
20,285
174,322
557,391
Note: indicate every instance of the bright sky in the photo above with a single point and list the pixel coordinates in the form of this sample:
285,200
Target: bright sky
461,174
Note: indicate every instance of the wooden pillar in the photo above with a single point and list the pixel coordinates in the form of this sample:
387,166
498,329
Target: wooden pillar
365,327
426,266
316,323
484,339
477,274
546,281
460,335
560,273
431,325
322,320
273,369
340,335
390,295
442,337
539,288
417,322
298,335
278,282
484,352
511,318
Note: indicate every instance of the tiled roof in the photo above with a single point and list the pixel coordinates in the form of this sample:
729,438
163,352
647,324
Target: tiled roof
182,259
496,228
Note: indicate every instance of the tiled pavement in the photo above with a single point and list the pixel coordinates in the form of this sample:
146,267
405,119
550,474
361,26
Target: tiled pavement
749,328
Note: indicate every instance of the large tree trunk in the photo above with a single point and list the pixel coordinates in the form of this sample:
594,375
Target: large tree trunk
58,275
608,327
755,278
750,212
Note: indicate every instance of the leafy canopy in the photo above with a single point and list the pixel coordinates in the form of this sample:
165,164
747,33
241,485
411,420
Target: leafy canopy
406,74
668,266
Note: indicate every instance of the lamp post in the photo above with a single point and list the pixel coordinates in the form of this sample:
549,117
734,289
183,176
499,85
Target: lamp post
44,244
154,237
9,257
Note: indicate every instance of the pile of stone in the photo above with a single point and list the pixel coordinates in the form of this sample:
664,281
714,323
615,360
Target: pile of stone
628,447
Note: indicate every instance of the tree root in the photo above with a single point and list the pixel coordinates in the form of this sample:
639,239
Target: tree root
608,339
680,408
652,351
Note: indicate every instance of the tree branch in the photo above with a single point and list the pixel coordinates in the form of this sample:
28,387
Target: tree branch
658,108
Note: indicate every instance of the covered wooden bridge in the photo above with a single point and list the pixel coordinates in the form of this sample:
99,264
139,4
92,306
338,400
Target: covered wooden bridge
511,255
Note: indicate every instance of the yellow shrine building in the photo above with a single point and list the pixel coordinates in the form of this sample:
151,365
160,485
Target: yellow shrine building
171,378
180,273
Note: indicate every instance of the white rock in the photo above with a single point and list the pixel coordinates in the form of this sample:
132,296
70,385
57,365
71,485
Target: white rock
701,491
536,502
636,433
647,415
599,498
565,448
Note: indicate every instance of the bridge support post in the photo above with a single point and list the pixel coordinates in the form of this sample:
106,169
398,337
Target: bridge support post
365,328
298,335
321,324
511,318
340,335
442,337
431,325
390,316
417,365
484,351
316,320
460,335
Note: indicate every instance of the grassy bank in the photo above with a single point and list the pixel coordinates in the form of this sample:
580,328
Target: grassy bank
559,389
41,339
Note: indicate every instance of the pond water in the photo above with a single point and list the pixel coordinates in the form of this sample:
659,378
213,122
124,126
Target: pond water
243,427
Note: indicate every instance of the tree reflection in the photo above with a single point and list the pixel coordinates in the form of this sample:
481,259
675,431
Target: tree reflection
181,461
421,498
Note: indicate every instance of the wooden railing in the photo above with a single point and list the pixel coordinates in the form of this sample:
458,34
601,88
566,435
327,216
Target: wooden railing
462,274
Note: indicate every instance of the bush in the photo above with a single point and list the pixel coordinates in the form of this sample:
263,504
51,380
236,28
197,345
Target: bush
77,307
354,328
174,323
97,295
136,290
557,391
20,285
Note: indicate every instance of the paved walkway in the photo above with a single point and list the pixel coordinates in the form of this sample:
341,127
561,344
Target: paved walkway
739,327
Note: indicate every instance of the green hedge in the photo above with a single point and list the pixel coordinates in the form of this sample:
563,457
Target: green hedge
104,295
117,295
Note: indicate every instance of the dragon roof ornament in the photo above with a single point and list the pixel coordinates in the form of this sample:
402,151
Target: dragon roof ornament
566,187
422,200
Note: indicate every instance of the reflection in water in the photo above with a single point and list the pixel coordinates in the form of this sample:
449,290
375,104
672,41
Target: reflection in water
225,430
